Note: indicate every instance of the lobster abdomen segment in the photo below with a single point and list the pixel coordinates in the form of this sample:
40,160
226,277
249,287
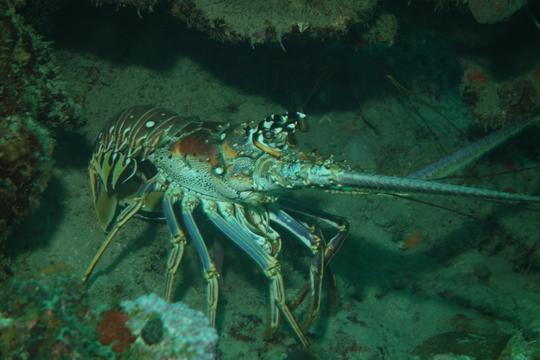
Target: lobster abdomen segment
122,145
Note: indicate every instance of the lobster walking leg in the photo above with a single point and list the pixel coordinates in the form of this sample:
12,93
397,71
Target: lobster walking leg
334,244
277,296
178,240
125,215
222,215
211,274
316,245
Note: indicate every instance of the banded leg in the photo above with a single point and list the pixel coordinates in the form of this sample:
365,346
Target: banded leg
223,216
178,241
125,215
211,274
341,226
316,244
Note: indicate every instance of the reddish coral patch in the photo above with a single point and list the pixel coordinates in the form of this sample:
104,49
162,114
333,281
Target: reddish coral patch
112,330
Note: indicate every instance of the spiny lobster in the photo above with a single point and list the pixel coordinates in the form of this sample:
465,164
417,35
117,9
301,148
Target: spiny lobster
235,174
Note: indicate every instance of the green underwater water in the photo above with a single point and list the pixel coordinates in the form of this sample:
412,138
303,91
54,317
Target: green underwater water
425,277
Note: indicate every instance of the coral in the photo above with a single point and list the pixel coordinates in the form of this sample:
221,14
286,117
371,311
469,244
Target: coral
112,330
25,160
263,21
28,77
496,103
269,21
168,331
47,318
32,100
493,11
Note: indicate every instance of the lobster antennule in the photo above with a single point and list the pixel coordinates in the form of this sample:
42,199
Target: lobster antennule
331,176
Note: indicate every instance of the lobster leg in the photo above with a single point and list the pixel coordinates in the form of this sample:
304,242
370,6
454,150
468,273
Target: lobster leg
178,240
316,245
223,216
342,231
211,274
125,215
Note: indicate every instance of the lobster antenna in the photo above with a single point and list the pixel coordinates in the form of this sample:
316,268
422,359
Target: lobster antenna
428,203
462,213
488,176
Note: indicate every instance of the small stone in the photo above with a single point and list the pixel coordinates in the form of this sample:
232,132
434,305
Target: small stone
481,271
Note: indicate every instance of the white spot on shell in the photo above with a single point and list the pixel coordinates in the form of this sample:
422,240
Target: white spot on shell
219,170
149,124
